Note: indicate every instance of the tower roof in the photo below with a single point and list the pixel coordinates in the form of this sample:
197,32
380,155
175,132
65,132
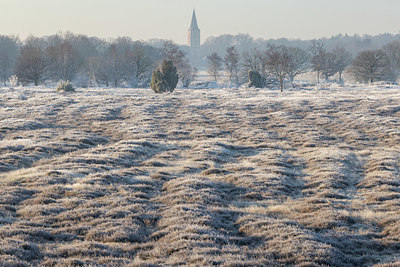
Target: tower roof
193,25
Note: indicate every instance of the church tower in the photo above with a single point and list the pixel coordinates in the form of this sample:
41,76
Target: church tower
194,40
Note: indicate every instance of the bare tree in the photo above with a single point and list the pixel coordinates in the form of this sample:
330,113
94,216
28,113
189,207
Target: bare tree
256,60
123,47
231,61
188,75
31,64
252,61
104,69
328,66
342,60
63,61
92,66
392,51
142,64
122,62
172,52
104,72
84,46
327,63
370,66
8,56
318,54
131,62
51,57
99,70
115,64
277,63
298,62
214,65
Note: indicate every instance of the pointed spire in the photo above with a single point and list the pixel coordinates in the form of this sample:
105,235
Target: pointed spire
193,25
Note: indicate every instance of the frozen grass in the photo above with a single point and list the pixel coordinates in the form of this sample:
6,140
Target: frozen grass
233,177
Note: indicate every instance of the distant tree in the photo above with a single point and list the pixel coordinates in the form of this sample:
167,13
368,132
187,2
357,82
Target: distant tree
121,62
51,57
127,62
165,79
252,60
298,62
256,60
113,63
112,66
392,51
277,63
84,46
117,58
255,79
142,64
231,61
327,63
219,44
103,69
63,61
370,66
31,64
92,51
92,66
189,74
8,56
318,56
328,66
214,65
342,60
171,52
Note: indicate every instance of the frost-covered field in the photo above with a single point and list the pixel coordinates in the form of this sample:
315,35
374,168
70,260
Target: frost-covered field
200,177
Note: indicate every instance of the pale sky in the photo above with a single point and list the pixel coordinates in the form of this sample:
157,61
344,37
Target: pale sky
170,19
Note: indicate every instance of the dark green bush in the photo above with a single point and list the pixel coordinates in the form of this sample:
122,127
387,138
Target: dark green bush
255,79
164,79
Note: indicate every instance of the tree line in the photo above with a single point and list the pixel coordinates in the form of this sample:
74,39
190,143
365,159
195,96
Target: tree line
91,61
87,61
243,42
279,64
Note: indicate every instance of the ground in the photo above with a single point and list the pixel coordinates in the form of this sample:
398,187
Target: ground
307,177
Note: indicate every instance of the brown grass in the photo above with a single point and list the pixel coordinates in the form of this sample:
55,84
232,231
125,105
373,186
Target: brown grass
233,177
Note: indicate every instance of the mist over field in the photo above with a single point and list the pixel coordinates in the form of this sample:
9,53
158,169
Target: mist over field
235,177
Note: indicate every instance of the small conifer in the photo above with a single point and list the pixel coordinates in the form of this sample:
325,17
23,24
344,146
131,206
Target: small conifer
255,79
164,79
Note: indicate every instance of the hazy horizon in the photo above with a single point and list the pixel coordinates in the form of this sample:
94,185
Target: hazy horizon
157,19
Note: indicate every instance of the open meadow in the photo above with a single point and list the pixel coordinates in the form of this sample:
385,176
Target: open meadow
233,177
